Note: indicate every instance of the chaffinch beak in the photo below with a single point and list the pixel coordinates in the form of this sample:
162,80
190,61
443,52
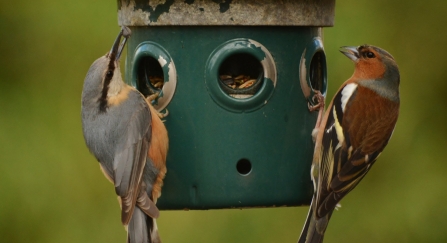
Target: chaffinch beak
351,52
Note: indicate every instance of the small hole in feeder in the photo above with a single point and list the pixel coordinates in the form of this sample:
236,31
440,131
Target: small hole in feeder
241,75
150,76
243,166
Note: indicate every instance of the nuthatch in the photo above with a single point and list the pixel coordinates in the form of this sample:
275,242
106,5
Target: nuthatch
126,135
352,134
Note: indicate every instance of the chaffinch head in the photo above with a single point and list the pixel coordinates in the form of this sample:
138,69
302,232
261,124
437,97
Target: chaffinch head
353,132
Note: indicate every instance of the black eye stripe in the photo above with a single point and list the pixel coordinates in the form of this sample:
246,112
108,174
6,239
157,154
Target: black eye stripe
105,88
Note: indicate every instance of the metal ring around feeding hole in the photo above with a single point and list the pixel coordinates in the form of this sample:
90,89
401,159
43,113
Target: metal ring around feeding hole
313,71
157,52
236,102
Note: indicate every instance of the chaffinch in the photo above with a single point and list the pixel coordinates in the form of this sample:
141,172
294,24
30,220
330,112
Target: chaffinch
353,132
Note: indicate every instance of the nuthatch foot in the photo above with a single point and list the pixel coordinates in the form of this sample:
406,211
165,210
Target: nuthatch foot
125,134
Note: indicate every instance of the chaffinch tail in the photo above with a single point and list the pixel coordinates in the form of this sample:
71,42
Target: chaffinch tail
353,132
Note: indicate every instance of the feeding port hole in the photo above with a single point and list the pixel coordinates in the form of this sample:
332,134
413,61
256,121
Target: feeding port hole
150,76
241,75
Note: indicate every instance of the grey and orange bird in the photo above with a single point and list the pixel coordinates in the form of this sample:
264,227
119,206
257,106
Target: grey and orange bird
353,132
126,135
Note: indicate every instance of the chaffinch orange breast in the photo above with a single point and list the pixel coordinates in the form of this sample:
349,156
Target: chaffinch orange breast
353,132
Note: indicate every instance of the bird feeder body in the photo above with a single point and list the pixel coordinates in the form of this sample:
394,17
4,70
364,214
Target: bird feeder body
231,147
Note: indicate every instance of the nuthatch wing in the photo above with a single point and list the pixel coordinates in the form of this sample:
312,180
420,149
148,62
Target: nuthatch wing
126,135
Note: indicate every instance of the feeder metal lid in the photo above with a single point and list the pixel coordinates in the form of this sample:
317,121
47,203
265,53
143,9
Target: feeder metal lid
226,12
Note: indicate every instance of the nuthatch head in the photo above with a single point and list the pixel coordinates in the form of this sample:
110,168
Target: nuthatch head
104,75
126,135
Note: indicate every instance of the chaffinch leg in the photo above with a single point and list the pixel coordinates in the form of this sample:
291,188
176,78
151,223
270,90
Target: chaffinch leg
320,104
320,107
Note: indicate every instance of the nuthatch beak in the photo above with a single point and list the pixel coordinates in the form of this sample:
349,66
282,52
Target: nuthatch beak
117,48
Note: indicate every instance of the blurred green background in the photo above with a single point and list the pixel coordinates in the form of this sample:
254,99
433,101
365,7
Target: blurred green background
53,191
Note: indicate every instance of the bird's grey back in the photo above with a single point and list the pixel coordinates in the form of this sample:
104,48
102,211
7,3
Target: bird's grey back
92,88
103,131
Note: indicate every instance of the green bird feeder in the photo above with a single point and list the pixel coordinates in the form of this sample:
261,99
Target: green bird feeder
237,77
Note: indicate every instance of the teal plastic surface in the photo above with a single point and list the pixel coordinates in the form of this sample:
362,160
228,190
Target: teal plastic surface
240,47
228,152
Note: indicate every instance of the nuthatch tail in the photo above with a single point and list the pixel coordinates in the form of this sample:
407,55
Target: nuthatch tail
126,135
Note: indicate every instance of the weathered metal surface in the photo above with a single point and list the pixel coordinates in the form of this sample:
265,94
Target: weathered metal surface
226,12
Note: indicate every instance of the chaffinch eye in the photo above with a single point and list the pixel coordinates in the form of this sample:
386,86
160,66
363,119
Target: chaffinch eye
370,55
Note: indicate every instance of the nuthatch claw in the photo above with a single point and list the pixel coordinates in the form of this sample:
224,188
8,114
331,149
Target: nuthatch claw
163,115
126,135
152,97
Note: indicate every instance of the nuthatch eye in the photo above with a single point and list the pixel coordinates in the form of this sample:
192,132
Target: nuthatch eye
126,135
